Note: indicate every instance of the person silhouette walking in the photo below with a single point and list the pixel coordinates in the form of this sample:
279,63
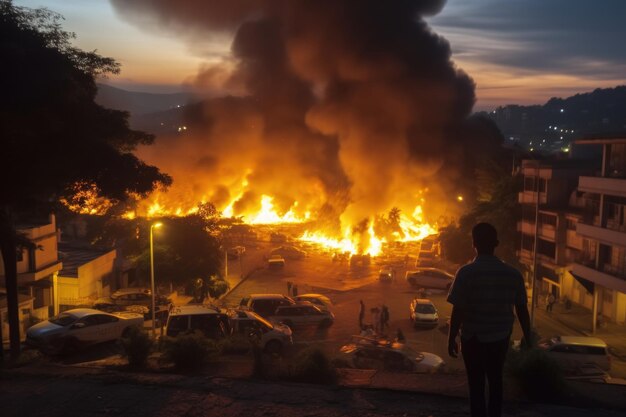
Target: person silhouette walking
483,296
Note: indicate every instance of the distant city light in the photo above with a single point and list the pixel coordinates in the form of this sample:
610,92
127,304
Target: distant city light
562,110
459,197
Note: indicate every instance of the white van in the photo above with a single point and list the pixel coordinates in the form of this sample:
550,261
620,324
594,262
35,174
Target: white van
188,318
572,352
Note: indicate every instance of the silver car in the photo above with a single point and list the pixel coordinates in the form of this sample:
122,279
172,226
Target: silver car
80,327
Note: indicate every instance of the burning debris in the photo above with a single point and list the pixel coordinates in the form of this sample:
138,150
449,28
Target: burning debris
336,112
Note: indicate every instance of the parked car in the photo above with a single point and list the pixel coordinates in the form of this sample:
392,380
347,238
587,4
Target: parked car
273,338
302,315
289,252
368,353
571,352
209,320
265,304
125,297
80,327
423,313
320,301
276,262
386,275
430,278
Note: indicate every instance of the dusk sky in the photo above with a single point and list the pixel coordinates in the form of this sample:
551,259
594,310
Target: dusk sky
517,51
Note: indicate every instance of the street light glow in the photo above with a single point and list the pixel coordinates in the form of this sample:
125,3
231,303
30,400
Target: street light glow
157,225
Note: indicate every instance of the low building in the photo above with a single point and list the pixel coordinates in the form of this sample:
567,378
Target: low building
88,273
37,270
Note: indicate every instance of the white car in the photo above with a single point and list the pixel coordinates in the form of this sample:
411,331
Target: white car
274,338
430,278
80,327
289,252
572,352
368,353
423,313
276,262
320,301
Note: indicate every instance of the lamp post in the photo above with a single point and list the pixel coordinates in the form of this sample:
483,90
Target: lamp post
152,227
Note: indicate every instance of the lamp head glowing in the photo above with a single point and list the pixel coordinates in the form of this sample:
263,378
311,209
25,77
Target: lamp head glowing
157,225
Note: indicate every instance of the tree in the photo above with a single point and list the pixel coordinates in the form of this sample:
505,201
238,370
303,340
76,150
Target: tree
55,139
184,250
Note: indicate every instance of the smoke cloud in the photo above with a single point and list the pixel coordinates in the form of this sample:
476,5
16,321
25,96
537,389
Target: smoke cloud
347,107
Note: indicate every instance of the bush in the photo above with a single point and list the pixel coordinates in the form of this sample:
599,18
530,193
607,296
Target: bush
137,345
538,375
236,343
313,366
190,351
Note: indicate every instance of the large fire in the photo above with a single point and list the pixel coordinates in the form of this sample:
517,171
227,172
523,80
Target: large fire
351,239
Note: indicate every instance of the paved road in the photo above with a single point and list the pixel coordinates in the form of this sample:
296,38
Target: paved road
346,286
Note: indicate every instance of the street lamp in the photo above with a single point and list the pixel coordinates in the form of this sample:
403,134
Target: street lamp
152,227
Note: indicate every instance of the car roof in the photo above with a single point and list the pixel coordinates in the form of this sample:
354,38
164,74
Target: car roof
581,340
265,296
194,309
429,269
82,312
422,301
312,296
141,290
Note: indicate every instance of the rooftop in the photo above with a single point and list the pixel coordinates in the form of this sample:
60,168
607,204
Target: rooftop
74,256
612,138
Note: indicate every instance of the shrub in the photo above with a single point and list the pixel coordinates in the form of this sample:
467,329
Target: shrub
136,344
313,366
538,375
190,351
236,343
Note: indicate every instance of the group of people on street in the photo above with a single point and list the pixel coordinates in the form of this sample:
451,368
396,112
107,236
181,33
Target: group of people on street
380,319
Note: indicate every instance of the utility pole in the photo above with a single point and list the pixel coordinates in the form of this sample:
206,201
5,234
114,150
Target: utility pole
533,300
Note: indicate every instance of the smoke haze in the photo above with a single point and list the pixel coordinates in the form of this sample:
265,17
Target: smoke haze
347,107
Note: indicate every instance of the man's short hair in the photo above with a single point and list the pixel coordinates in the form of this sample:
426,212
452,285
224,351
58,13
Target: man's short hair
484,236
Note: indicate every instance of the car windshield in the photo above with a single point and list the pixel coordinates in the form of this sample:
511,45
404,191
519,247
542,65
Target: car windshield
262,320
63,319
425,309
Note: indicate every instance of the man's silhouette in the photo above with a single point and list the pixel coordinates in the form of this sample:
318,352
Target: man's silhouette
483,295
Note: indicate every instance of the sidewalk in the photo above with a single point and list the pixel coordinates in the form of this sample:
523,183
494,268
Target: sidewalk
579,320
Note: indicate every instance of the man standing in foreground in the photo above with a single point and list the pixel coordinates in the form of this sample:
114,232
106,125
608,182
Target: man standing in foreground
483,296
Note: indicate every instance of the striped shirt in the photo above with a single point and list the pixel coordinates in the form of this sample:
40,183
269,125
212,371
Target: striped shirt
486,290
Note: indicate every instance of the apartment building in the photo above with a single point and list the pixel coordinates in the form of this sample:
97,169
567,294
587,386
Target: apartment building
603,230
552,206
581,239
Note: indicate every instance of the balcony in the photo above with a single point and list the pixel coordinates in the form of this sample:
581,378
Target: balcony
601,278
601,234
600,185
545,231
530,197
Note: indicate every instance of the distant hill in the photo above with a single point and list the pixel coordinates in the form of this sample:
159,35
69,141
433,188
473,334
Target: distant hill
138,103
562,120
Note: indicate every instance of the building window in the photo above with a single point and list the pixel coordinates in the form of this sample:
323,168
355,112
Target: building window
529,184
616,161
546,248
547,219
571,224
19,255
528,242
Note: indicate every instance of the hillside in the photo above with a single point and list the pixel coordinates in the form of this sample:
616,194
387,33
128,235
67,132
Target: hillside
559,121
